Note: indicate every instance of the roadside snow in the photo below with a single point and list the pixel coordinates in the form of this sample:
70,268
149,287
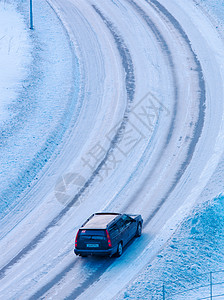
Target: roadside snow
185,263
40,101
14,56
214,7
197,247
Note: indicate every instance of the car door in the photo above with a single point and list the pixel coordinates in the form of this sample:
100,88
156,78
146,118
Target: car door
131,225
124,231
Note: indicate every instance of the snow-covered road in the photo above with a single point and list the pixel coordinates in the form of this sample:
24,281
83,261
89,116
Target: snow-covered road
147,138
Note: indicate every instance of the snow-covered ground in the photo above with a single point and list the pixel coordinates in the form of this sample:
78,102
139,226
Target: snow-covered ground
107,114
14,57
42,104
194,251
197,247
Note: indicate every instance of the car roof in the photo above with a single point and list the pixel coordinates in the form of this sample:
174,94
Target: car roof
100,220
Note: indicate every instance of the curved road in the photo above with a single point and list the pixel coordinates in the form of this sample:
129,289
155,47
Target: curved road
153,76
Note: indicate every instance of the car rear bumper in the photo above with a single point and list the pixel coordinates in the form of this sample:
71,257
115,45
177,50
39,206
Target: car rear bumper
108,252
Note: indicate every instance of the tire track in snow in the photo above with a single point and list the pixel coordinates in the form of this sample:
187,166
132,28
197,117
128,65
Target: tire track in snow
197,131
152,216
167,53
201,106
122,50
53,282
57,278
130,88
202,98
94,277
89,281
129,80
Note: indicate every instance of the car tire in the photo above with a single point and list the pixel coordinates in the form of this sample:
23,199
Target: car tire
119,249
139,230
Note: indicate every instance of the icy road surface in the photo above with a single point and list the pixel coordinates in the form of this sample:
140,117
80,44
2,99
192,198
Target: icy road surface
146,138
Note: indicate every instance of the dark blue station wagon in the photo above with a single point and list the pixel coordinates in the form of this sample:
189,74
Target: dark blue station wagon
107,233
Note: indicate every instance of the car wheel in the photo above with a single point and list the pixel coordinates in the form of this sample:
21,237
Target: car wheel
119,249
139,230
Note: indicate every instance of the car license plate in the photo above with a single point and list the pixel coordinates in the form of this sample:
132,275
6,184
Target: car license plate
92,245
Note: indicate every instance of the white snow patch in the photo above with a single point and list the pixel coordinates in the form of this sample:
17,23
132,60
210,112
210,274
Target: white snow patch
14,55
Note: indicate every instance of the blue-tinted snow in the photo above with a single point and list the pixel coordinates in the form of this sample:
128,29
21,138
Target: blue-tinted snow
46,103
197,248
216,7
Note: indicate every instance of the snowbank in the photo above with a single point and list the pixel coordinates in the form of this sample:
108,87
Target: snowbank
14,56
194,251
40,101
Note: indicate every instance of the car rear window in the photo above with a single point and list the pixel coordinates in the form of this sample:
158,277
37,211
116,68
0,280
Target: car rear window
92,234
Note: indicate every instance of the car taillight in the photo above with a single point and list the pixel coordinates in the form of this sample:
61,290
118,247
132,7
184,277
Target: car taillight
108,239
76,239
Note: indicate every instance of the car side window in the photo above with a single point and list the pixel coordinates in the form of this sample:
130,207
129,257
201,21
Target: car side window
127,220
120,224
113,230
